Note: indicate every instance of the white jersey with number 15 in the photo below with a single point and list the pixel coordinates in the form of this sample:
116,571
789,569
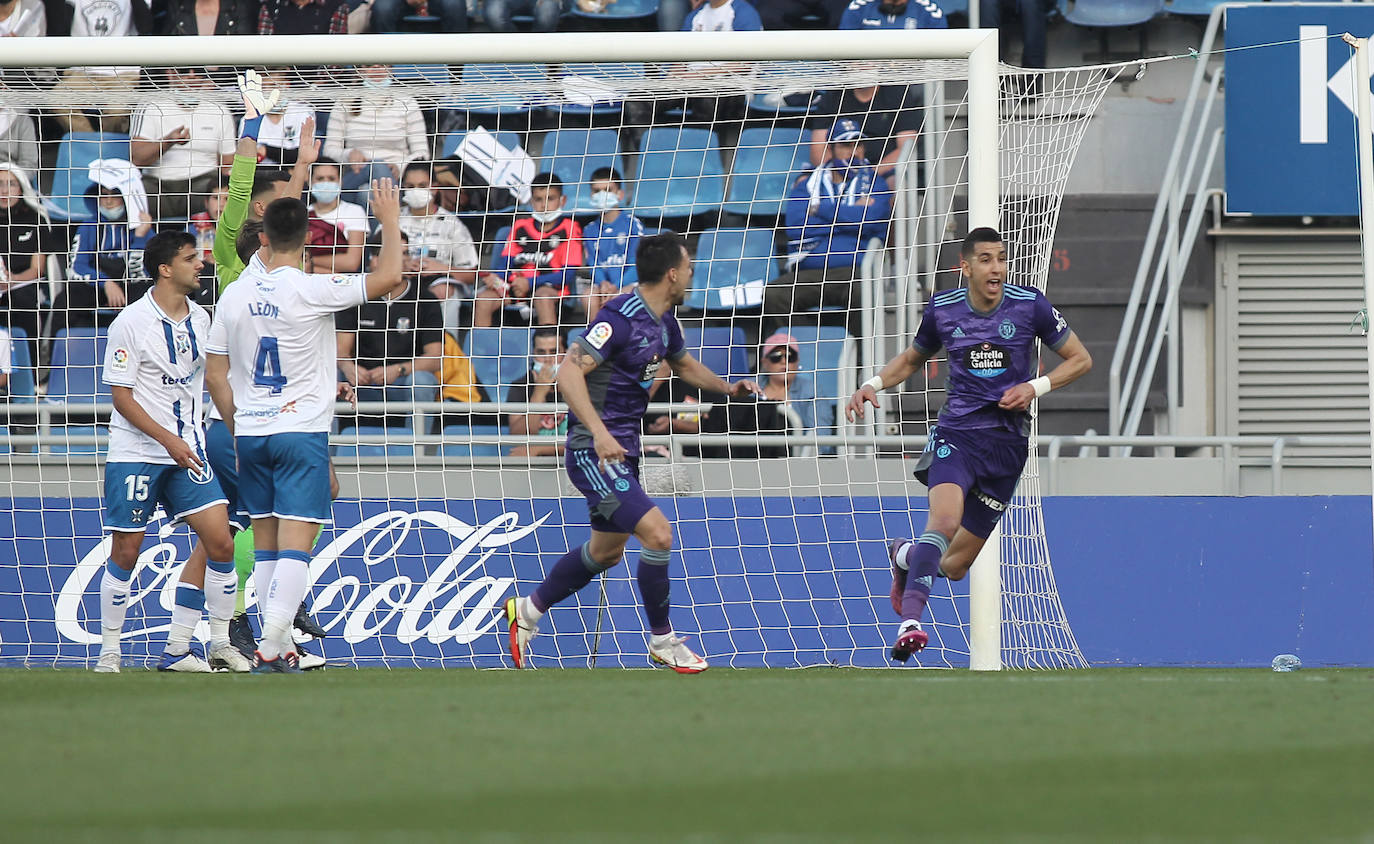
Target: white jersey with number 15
277,327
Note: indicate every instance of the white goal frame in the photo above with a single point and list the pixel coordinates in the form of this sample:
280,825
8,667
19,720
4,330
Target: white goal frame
977,47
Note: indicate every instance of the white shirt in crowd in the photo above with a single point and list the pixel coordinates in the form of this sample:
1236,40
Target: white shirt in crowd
104,19
163,361
212,136
277,327
349,216
27,19
285,133
384,128
441,236
715,18
6,353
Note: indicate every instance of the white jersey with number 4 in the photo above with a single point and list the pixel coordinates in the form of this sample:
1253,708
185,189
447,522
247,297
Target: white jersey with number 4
163,361
277,327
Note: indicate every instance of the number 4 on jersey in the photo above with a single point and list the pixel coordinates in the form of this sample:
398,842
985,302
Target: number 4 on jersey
267,370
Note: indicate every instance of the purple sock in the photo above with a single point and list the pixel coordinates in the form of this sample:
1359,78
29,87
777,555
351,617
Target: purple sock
573,570
923,561
652,575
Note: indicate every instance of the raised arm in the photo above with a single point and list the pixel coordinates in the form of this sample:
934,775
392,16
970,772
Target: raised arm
217,382
386,269
131,410
900,368
306,157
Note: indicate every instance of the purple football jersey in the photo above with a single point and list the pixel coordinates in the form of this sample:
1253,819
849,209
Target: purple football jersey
630,343
988,352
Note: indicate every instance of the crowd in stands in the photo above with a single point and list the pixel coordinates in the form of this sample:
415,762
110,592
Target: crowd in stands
478,258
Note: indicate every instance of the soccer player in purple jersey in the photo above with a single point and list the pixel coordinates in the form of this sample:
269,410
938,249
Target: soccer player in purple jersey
605,379
978,446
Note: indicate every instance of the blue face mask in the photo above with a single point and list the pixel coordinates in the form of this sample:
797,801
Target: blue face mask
605,200
325,191
377,83
116,213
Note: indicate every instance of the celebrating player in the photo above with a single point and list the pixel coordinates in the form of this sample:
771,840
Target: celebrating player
271,369
155,366
979,445
605,379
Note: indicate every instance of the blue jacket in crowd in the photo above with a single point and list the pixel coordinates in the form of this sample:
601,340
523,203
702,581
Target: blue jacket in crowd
868,14
826,227
102,248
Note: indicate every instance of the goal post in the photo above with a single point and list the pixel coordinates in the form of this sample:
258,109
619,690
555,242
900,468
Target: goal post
989,173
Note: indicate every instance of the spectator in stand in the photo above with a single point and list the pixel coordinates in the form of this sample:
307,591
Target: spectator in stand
831,212
610,241
783,381
182,149
1034,27
718,16
113,87
538,265
792,14
279,135
390,348
500,14
894,14
23,19
303,17
211,17
202,227
337,228
537,386
387,14
439,248
18,139
888,115
24,235
373,134
107,265
722,16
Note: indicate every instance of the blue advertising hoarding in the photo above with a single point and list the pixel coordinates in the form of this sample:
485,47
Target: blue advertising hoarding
1290,108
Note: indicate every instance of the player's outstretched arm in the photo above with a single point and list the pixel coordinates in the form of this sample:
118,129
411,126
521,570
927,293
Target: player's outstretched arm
572,384
697,374
306,157
1076,363
131,410
900,368
217,382
386,269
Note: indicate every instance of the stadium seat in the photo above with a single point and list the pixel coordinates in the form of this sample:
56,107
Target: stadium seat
1191,8
766,162
598,88
777,93
21,375
77,357
1106,14
79,431
732,265
824,350
573,155
388,449
523,86
680,173
467,449
433,73
954,7
71,175
499,356
5,440
621,9
720,347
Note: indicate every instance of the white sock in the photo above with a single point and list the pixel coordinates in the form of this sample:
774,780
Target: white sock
114,603
530,611
220,591
289,584
263,571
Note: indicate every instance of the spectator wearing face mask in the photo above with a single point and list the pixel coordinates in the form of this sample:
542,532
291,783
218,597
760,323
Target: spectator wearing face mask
538,264
538,386
439,249
107,267
374,133
610,241
831,213
337,228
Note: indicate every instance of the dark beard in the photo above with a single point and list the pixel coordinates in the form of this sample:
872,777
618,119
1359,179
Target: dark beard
892,9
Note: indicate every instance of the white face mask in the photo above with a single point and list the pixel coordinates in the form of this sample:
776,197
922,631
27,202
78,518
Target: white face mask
605,200
115,213
384,82
417,197
547,216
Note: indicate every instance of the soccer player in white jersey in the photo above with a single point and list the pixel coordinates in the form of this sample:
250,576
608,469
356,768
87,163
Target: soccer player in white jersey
272,369
155,366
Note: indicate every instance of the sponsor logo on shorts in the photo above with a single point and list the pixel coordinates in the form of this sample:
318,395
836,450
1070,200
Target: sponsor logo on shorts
990,502
986,360
1007,329
204,474
622,485
136,515
943,451
598,334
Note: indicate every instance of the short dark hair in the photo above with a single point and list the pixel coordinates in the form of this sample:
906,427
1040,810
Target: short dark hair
547,180
163,249
425,167
248,243
546,331
267,180
286,222
657,255
607,174
982,234
329,162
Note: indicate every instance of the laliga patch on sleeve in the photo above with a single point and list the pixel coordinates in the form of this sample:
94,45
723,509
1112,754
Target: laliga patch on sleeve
119,361
341,279
598,334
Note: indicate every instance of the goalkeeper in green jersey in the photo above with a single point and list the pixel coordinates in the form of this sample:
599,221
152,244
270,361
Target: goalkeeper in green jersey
249,194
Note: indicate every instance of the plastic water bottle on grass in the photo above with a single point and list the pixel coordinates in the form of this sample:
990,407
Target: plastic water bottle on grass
1286,662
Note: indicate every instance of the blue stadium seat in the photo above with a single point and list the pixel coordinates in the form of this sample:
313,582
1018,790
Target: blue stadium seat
71,176
954,7
727,259
435,73
622,9
21,375
602,84
766,162
573,155
466,449
80,431
499,357
388,449
1192,8
720,347
5,440
1110,13
523,88
680,173
77,357
823,348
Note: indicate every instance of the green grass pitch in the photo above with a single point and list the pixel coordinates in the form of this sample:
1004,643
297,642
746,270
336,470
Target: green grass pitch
824,755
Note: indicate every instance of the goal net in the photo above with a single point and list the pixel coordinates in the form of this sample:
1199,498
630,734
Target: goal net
822,185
